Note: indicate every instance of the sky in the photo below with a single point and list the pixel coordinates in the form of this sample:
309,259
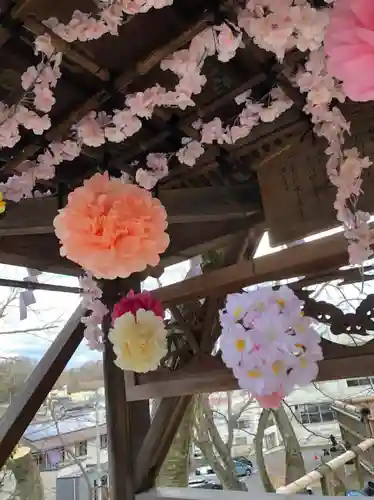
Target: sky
56,307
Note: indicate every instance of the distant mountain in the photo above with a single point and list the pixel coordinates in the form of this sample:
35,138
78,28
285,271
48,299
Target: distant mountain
15,371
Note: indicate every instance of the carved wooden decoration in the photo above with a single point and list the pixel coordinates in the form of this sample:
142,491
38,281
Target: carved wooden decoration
297,196
360,323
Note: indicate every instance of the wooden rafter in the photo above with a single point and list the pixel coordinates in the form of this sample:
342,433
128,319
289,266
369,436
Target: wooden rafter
24,406
304,259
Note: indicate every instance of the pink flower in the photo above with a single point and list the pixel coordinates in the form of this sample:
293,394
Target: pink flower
112,17
227,43
349,44
212,131
145,178
192,83
190,153
270,400
90,131
143,103
127,122
112,229
29,77
32,121
158,163
135,301
43,43
44,98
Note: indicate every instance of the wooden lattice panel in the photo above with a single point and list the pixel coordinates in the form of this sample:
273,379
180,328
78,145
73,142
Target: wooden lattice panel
296,193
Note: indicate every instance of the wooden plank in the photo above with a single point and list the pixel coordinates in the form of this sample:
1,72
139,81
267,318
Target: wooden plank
25,405
208,204
140,423
157,442
299,260
201,494
35,216
209,374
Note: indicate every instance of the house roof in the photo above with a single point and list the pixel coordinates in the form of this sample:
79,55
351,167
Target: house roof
48,435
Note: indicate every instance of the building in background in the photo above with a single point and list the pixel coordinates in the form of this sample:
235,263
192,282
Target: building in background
75,441
74,485
309,409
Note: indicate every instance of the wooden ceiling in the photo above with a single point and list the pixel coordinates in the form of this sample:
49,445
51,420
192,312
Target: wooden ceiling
274,178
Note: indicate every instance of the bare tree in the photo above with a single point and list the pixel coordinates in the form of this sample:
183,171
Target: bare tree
295,466
218,452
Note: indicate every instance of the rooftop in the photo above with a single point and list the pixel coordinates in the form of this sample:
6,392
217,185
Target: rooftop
65,425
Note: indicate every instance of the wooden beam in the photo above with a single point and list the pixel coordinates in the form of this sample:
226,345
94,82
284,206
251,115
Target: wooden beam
29,251
35,216
299,260
35,285
37,387
209,374
207,204
158,440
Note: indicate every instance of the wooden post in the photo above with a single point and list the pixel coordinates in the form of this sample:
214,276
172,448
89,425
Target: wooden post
127,422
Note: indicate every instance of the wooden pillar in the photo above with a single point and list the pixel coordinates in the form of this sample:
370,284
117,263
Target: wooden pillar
127,422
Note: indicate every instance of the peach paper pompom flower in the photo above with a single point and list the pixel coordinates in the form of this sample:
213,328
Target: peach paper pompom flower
112,229
349,44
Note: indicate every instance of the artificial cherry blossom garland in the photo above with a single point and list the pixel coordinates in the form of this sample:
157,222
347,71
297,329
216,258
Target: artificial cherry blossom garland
268,342
97,310
41,79
157,164
95,128
37,82
214,131
85,27
344,166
